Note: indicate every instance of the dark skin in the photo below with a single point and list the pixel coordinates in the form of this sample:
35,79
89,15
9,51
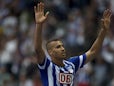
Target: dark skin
56,49
57,52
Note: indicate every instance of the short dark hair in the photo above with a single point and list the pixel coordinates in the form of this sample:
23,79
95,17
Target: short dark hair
49,41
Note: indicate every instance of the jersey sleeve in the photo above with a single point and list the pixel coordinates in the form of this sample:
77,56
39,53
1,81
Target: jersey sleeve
44,64
78,61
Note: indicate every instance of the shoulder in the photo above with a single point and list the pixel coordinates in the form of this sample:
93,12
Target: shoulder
78,60
46,62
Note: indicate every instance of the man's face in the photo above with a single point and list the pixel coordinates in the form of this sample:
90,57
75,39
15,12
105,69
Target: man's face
57,50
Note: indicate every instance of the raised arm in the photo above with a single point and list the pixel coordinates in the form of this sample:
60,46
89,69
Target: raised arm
105,26
40,18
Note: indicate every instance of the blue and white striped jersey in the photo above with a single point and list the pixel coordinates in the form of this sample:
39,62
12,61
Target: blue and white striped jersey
53,75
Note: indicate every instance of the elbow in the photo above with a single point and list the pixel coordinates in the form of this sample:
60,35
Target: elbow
37,48
37,51
94,52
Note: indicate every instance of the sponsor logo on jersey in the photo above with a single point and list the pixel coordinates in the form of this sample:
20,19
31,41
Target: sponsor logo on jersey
65,78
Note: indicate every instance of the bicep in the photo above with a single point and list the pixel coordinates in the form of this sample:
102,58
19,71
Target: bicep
40,55
89,56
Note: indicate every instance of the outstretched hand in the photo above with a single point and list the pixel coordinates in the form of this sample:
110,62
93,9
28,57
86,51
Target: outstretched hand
40,17
105,22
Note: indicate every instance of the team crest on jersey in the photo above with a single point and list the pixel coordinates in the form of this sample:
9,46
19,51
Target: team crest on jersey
65,78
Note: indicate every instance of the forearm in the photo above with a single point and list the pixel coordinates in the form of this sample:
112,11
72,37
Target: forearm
99,41
93,51
40,18
38,37
105,24
38,43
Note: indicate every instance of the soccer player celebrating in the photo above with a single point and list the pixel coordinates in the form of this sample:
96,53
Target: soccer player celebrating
60,70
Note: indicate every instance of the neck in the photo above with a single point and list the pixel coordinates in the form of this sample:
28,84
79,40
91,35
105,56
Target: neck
58,62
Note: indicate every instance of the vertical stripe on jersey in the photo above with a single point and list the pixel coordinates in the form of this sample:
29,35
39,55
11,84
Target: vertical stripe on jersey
44,72
44,77
54,75
81,60
57,75
50,77
61,72
84,58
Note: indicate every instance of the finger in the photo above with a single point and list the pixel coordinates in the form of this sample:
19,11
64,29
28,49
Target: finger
102,21
35,10
41,7
47,13
107,13
38,7
104,14
110,14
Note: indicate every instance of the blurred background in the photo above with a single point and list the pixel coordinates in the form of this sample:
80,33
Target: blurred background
76,22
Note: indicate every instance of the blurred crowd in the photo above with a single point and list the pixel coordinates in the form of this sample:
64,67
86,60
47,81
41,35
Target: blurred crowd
76,22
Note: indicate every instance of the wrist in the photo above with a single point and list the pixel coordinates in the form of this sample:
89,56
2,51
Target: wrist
39,26
39,23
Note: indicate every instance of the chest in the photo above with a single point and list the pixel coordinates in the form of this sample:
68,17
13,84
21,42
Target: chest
65,75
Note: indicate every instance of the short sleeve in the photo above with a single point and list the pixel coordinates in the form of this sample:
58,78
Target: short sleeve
78,61
44,64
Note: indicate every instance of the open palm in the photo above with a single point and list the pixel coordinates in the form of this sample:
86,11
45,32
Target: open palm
106,19
39,13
